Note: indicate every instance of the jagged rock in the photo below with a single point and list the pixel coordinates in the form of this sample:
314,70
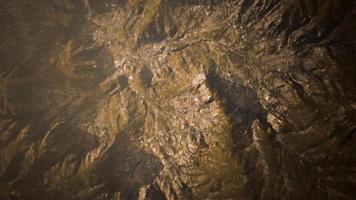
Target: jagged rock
186,99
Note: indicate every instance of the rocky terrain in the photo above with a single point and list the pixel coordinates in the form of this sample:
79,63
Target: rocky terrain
177,99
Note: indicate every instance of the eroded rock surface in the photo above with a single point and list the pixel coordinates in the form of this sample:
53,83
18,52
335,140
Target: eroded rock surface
165,99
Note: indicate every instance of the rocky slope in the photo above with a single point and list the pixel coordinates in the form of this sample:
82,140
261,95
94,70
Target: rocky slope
177,99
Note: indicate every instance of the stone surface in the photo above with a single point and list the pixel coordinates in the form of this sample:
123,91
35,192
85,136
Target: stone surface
186,99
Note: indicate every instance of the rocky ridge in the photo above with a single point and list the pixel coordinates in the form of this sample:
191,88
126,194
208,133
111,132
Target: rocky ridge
164,99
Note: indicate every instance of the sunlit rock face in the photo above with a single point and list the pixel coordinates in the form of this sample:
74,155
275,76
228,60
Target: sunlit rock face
177,99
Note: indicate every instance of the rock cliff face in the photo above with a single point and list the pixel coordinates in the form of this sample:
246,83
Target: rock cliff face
177,99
